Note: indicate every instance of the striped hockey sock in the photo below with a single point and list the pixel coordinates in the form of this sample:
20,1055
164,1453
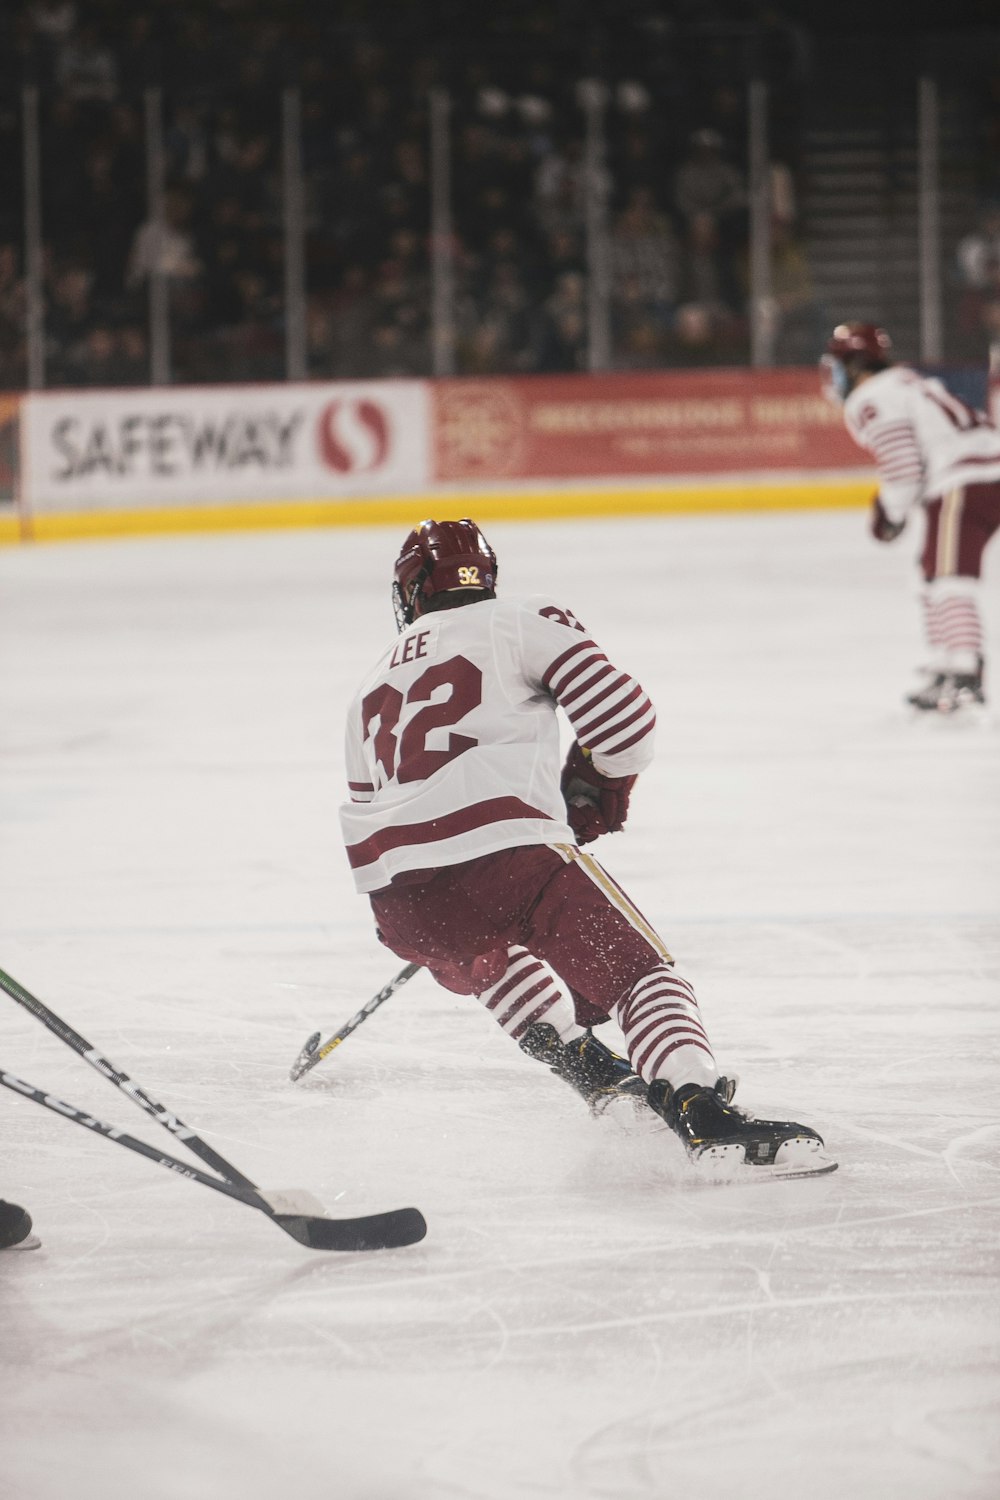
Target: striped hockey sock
953,625
527,993
664,1032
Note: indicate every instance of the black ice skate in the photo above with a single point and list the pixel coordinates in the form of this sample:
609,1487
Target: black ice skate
947,692
15,1228
724,1142
598,1074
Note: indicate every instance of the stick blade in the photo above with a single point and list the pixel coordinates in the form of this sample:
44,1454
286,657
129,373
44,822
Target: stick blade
388,1231
306,1058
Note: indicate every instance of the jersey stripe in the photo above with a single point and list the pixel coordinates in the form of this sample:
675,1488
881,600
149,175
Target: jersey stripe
464,820
560,661
588,686
611,739
608,710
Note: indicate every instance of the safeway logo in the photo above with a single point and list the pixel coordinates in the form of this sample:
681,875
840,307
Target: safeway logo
353,436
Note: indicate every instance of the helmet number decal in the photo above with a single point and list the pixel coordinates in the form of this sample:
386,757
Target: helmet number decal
405,757
469,578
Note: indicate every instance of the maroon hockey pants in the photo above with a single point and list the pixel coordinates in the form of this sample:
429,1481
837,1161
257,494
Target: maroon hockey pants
958,529
563,907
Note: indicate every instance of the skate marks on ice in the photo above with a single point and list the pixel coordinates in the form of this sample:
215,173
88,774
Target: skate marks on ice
582,1320
928,1447
568,1254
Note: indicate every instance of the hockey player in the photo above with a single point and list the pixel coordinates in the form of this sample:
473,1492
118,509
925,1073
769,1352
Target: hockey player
15,1228
467,838
932,452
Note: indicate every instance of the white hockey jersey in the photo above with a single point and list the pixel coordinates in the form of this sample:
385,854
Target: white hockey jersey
453,741
925,441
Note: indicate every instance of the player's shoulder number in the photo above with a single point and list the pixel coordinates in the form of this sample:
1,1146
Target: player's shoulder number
562,617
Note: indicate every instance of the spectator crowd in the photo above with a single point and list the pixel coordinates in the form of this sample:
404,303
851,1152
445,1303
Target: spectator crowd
670,185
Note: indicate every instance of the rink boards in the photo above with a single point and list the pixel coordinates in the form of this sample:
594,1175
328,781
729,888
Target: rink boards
89,463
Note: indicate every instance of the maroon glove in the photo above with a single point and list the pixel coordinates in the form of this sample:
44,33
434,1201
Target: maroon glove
595,804
883,530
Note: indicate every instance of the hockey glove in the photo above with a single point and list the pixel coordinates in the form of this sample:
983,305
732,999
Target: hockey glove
883,530
595,804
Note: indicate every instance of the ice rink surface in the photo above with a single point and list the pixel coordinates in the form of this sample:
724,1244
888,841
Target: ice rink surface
583,1320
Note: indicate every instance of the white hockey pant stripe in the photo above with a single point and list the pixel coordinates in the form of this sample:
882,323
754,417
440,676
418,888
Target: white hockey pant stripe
614,893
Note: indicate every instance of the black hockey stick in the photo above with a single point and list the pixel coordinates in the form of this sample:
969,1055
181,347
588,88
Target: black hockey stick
405,1225
388,1231
121,1080
312,1052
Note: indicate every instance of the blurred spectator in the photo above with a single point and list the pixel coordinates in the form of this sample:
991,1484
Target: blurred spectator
497,332
53,19
707,185
978,254
645,257
990,322
12,320
561,189
93,360
707,275
977,267
635,161
800,320
700,337
169,249
351,324
672,87
710,196
563,331
69,316
638,335
559,253
784,209
49,24
109,211
987,116
187,143
133,355
11,294
86,70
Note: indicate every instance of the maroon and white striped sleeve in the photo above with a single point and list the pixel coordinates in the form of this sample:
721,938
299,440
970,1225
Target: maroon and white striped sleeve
611,714
893,445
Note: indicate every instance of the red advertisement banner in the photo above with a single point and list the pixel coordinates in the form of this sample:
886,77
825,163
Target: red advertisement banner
696,422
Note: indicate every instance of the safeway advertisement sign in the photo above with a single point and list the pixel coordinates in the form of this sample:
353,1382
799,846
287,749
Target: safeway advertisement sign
209,445
695,422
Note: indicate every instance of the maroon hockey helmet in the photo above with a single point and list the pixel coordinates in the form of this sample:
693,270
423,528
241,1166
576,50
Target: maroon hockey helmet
852,350
861,340
441,557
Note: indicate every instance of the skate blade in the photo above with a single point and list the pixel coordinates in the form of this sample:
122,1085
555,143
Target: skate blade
31,1242
620,1103
962,715
800,1156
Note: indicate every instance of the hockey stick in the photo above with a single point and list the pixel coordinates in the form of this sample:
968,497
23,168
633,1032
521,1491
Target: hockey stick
121,1080
387,1231
406,1223
312,1052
